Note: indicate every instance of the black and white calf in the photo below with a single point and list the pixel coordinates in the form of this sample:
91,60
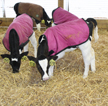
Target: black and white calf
35,11
17,36
63,38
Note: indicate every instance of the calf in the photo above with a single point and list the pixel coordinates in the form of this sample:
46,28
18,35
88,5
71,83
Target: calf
63,38
35,11
18,34
60,16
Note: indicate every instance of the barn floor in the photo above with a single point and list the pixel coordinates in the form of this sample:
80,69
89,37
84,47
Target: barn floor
65,88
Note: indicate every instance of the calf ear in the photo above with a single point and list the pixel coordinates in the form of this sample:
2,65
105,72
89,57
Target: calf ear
32,58
52,60
23,54
5,56
50,52
54,57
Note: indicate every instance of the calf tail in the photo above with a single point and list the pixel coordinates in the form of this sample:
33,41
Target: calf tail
92,20
96,28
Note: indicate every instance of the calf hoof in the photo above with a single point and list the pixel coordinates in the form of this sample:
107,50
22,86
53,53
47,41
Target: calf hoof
93,71
85,76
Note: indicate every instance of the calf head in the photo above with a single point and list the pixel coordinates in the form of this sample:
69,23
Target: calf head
43,64
16,61
43,58
46,18
14,57
48,22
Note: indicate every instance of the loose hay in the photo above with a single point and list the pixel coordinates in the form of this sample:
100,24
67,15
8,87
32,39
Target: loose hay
65,88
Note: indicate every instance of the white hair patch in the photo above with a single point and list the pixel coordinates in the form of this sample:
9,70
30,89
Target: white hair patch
42,39
43,64
48,21
14,59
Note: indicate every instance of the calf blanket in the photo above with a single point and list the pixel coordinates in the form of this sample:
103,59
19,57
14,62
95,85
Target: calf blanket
23,25
67,35
60,16
33,10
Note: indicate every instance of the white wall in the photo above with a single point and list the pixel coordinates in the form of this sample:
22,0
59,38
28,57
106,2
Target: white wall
49,5
89,8
81,8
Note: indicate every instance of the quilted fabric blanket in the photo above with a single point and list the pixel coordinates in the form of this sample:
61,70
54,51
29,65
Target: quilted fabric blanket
60,16
34,10
23,25
66,35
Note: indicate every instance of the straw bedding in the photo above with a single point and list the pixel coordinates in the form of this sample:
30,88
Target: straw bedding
65,88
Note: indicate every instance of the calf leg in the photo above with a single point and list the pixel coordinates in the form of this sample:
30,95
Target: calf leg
34,43
38,26
50,72
26,48
86,52
93,69
53,24
51,68
60,55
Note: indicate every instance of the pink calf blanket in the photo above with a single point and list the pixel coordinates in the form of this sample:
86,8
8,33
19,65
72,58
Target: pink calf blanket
66,35
23,25
60,16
